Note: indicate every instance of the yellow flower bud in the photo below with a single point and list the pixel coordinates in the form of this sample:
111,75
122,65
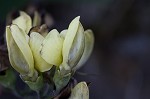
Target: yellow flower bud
89,44
73,45
20,55
51,50
35,44
77,46
24,22
68,49
80,91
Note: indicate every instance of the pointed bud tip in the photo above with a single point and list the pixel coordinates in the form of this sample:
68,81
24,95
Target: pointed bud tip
54,30
13,26
77,18
22,12
7,27
33,34
83,83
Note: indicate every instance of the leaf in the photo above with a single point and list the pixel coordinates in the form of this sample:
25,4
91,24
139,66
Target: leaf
61,80
35,85
8,80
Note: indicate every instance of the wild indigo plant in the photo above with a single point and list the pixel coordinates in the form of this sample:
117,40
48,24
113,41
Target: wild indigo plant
34,52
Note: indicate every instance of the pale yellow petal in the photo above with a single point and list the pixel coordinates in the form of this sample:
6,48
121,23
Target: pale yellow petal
80,91
16,57
51,50
23,21
73,46
63,33
77,48
36,19
35,43
71,33
89,43
20,40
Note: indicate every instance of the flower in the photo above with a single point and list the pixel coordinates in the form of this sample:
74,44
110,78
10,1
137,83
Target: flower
68,49
23,22
33,48
76,49
73,46
80,91
20,52
77,46
46,51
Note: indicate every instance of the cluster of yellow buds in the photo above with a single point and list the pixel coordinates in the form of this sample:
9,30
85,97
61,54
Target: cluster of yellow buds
33,50
30,50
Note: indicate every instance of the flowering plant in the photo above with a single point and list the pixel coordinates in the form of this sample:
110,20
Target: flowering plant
49,58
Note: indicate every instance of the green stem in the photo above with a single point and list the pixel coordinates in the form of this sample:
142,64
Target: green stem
46,90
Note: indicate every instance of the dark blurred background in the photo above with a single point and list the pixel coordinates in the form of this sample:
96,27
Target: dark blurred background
119,67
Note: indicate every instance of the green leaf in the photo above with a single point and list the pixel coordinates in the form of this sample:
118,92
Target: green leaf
8,80
61,80
35,85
